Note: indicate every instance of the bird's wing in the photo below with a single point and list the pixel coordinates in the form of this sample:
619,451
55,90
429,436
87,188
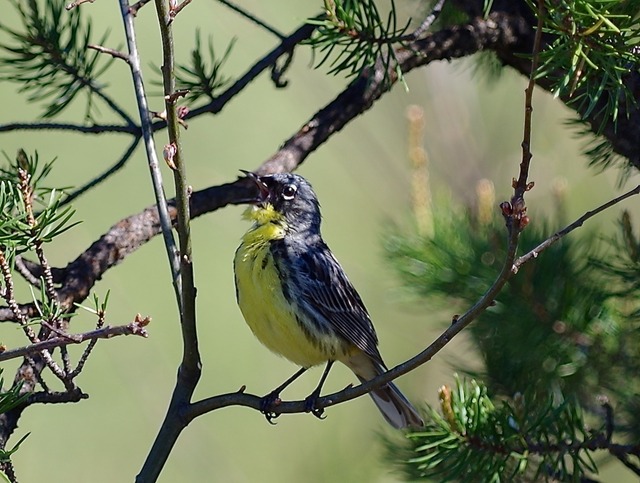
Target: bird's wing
327,291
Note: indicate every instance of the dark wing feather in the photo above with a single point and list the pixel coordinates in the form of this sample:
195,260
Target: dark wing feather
328,291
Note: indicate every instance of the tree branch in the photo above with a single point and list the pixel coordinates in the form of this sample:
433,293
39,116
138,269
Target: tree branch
506,34
173,12
498,32
252,18
137,6
77,3
190,366
622,133
241,398
508,31
147,135
136,327
569,228
73,395
81,128
286,46
116,54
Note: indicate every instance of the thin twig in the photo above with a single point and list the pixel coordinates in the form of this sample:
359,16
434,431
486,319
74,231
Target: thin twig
252,18
147,135
22,268
521,185
187,296
77,3
66,362
58,324
569,228
87,351
116,54
133,9
286,46
174,13
47,277
57,126
9,297
61,333
106,332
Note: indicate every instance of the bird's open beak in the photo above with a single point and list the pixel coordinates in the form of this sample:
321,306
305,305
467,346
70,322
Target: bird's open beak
263,189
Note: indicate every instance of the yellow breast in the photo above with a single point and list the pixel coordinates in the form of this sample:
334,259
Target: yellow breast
263,304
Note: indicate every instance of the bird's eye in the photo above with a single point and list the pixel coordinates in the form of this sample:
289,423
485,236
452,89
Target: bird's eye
289,191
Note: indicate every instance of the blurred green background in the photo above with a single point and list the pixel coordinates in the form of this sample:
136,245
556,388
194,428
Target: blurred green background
362,177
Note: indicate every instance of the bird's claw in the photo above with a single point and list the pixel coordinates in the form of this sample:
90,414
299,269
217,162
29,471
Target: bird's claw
267,403
310,406
272,400
270,417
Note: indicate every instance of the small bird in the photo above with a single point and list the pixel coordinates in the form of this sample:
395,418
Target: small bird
297,300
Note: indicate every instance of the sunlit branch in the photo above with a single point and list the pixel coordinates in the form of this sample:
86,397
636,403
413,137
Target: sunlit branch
147,135
107,332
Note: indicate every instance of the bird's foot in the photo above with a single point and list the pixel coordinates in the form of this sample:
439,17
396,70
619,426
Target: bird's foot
310,405
267,404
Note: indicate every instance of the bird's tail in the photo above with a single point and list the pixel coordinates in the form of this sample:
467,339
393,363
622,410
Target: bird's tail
393,405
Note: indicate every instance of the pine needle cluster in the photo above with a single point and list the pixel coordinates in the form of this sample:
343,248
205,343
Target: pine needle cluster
48,56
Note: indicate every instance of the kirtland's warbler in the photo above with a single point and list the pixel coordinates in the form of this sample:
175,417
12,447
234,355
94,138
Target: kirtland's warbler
298,301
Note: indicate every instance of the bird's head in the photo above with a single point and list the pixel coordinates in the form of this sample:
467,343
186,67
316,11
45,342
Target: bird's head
285,198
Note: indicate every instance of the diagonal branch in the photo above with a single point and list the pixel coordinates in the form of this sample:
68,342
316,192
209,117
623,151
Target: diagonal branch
252,18
240,398
508,32
216,105
201,407
133,9
122,239
500,32
514,224
569,228
133,232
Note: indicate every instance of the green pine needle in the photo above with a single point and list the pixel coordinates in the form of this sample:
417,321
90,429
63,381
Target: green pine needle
353,36
48,56
520,439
